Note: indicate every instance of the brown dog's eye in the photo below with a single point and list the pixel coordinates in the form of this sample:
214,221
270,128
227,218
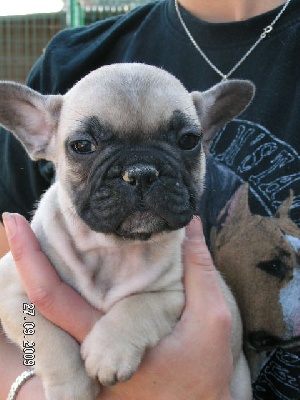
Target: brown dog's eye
83,146
188,141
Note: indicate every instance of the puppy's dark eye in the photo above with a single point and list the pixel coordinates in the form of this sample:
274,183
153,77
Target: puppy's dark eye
188,141
83,146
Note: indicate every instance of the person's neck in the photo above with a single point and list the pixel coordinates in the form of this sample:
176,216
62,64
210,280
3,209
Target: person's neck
229,10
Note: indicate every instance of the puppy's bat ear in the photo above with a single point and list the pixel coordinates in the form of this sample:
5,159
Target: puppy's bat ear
31,117
220,104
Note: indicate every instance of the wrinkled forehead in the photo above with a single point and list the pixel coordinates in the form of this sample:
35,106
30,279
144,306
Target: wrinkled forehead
129,101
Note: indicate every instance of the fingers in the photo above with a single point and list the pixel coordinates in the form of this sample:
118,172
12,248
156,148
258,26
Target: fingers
57,301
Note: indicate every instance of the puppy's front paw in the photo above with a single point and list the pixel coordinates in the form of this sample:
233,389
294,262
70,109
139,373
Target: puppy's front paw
81,387
110,356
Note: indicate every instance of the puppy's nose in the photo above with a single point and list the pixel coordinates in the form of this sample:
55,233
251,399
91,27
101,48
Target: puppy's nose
141,175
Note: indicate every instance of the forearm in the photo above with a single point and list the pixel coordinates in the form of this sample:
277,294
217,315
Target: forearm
120,392
11,366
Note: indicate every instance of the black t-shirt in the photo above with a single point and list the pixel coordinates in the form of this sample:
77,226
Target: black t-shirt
254,232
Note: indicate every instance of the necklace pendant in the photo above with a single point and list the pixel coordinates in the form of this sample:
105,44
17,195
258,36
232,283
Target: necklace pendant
266,31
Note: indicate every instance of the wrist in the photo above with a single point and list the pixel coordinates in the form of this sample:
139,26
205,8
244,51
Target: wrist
32,390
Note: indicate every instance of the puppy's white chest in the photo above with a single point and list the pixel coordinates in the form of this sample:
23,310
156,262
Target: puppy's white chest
117,273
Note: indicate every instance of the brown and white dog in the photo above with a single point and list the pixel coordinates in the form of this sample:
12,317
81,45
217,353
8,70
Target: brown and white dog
128,149
259,257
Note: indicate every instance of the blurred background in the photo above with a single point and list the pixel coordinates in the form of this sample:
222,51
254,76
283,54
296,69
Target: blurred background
26,26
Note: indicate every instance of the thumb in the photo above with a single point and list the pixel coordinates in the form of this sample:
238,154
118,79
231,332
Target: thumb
201,282
195,250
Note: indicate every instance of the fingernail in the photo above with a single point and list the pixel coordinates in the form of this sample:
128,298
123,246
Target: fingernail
194,230
9,224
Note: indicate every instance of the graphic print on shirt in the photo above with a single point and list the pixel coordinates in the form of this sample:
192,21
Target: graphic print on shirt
270,165
257,249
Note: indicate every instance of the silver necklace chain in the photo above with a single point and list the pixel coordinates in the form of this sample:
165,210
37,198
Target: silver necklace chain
262,36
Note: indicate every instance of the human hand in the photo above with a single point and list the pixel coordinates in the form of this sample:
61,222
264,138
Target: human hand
192,363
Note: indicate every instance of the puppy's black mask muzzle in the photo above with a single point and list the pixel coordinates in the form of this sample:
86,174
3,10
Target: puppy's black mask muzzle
137,193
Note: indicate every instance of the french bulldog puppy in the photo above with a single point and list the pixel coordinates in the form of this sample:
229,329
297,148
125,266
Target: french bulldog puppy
128,143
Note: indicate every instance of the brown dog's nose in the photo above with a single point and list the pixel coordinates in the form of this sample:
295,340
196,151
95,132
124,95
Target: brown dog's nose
140,175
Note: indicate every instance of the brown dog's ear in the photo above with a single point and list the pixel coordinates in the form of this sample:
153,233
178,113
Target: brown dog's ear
220,104
31,117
